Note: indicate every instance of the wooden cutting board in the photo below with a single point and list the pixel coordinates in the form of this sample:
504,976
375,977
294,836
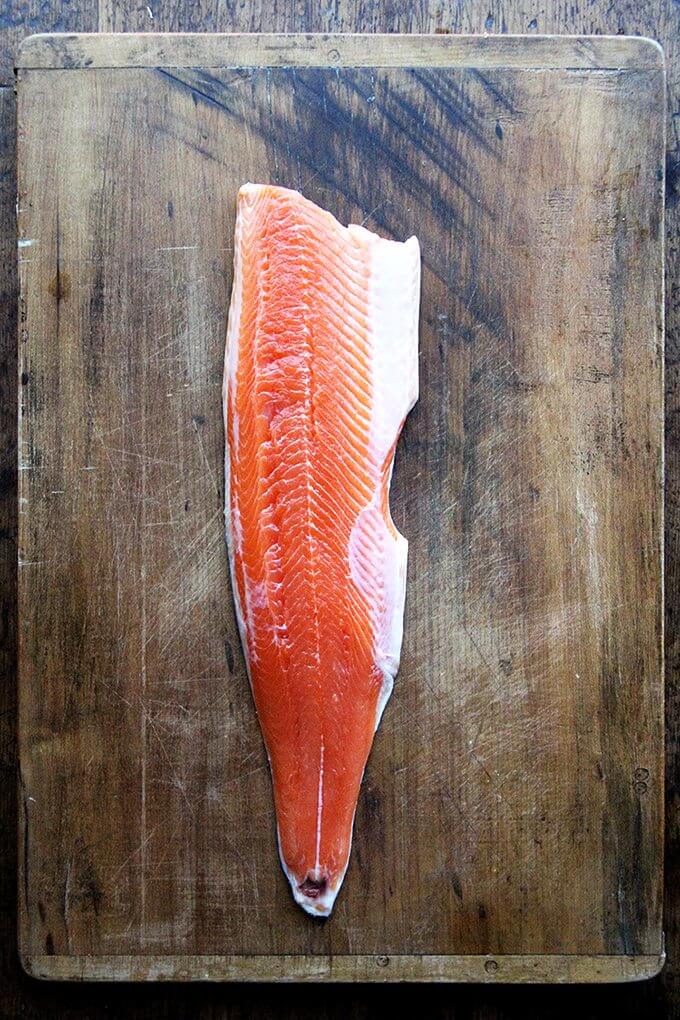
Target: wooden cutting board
510,822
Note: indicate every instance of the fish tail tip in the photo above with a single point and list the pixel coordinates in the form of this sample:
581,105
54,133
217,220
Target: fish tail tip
315,895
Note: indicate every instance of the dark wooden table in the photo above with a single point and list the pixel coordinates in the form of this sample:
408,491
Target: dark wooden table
19,995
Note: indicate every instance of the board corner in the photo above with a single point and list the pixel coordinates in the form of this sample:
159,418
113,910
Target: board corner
653,57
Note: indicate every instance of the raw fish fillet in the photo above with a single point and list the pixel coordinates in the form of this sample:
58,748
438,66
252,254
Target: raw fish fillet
321,369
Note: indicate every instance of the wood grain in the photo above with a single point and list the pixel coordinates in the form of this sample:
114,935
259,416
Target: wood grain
8,530
527,716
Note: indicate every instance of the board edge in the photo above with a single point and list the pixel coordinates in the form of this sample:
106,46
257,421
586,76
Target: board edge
91,50
540,969
83,968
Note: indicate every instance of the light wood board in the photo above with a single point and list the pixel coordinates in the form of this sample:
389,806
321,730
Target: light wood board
510,823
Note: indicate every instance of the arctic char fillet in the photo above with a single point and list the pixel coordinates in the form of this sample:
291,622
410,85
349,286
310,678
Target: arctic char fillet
321,369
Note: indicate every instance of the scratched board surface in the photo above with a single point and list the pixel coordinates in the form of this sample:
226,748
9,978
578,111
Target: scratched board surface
510,819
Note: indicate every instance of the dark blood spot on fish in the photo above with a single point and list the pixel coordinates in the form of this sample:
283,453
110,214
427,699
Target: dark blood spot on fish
313,887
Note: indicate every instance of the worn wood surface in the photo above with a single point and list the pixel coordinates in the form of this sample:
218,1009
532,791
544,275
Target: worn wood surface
512,805
659,998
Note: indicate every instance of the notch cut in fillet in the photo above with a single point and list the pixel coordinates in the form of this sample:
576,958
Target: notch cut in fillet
321,369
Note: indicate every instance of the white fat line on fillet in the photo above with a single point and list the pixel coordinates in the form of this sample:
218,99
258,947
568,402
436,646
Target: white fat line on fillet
319,810
313,559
